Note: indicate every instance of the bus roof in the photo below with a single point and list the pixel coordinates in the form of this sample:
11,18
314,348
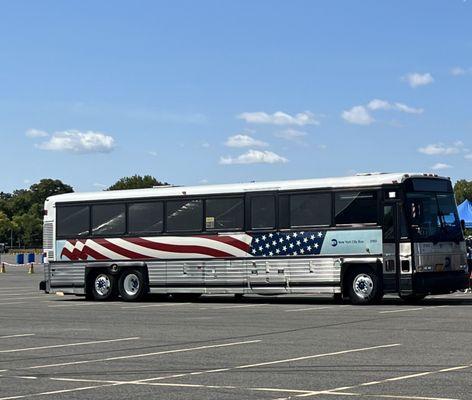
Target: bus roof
360,180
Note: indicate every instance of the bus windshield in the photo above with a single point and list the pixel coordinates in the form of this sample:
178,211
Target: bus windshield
433,217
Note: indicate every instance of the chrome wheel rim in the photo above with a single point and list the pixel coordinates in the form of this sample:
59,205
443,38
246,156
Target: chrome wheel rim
131,284
102,284
363,285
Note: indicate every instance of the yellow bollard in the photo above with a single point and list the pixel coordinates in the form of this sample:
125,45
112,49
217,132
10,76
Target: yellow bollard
31,269
2,269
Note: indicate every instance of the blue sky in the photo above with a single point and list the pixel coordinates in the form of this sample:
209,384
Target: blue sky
231,91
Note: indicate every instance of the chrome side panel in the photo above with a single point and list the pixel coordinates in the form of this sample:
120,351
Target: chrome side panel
263,276
67,278
445,256
405,255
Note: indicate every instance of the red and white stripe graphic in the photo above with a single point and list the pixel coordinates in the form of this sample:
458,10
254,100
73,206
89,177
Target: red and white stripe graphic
164,247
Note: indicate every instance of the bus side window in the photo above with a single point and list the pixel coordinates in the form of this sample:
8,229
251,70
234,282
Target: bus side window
388,223
310,209
356,208
73,221
108,219
224,214
145,217
184,215
263,212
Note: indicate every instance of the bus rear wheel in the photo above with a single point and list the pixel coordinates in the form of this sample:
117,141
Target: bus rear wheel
364,286
131,285
103,286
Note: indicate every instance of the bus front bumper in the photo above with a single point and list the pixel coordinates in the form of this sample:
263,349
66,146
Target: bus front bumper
440,282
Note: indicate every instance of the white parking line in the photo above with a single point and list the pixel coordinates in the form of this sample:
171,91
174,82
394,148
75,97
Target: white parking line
156,305
238,306
144,354
313,356
75,303
337,391
17,294
13,302
22,298
18,335
17,287
401,310
68,345
56,392
307,309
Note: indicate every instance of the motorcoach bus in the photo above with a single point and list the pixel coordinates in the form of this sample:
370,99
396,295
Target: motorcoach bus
358,237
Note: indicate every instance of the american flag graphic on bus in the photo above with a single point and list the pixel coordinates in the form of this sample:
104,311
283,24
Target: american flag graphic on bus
206,246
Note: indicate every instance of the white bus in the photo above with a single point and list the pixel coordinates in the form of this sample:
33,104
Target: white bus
357,237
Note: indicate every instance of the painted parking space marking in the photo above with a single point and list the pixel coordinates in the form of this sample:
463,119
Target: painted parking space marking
141,355
308,309
246,366
69,345
155,305
401,310
337,391
18,335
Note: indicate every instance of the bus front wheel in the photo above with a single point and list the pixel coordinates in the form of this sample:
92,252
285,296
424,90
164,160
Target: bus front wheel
364,286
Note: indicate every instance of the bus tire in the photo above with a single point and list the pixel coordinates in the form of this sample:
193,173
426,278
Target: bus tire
131,285
103,286
364,286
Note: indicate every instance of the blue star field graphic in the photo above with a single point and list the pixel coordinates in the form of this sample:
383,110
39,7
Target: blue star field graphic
286,244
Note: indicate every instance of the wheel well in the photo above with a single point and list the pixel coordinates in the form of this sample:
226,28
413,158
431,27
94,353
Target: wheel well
348,268
115,269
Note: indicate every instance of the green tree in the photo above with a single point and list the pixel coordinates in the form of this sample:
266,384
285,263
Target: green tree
5,228
21,211
463,190
136,182
28,229
48,187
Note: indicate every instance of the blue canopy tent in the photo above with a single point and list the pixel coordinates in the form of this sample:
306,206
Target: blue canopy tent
465,213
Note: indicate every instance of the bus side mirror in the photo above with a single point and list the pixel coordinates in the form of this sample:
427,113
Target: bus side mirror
463,225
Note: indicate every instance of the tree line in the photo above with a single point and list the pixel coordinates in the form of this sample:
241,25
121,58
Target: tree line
21,212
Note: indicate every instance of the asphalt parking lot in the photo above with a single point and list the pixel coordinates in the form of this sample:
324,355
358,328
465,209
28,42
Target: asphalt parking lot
57,347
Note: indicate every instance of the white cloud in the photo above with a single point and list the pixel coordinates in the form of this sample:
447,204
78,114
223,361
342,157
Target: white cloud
35,133
468,156
206,145
378,104
291,134
152,153
357,115
279,118
407,109
457,71
254,157
439,166
79,142
442,149
415,79
100,185
244,141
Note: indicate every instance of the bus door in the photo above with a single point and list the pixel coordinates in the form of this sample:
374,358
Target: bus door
390,247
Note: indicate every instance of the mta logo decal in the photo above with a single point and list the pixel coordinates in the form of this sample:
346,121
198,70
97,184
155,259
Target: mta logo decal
334,242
